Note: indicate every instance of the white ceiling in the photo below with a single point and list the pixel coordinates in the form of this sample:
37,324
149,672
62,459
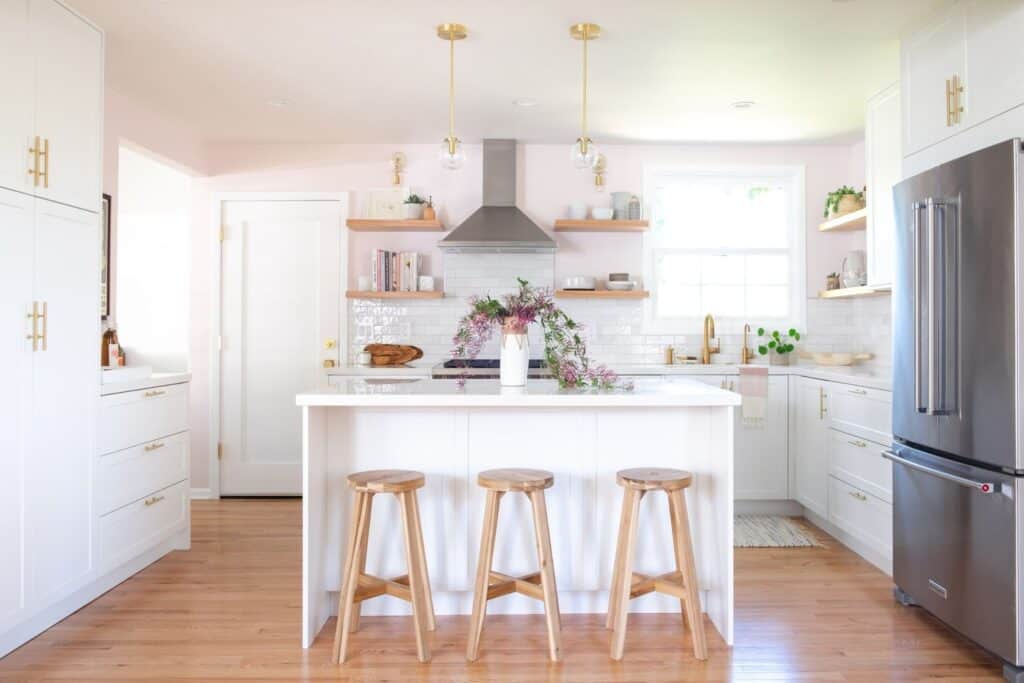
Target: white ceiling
363,71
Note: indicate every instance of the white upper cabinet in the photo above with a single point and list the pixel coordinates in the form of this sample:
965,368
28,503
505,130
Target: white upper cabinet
995,57
68,104
52,90
883,147
17,93
932,58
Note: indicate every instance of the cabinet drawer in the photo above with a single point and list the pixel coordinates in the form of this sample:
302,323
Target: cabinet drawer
864,412
136,527
135,417
860,464
135,472
861,515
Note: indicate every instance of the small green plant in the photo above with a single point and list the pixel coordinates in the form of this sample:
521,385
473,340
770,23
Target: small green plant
832,200
777,341
415,199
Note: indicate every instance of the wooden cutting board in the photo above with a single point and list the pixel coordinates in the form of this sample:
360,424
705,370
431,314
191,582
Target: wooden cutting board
391,355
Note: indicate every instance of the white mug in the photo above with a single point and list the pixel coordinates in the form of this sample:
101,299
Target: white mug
426,283
363,283
578,211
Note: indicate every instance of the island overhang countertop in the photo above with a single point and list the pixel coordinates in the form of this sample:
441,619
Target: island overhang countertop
538,393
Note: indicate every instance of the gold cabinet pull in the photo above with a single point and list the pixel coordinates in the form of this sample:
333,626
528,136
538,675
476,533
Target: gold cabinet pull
154,446
34,316
45,154
858,495
859,392
154,500
949,103
42,338
155,392
821,403
958,107
858,443
34,171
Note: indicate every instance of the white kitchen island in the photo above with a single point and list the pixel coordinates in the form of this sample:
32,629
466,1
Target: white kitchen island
451,433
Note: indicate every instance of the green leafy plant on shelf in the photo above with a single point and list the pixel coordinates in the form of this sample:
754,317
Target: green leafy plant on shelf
834,197
414,199
780,343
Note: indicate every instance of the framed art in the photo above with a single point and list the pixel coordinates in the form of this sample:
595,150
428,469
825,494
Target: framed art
386,202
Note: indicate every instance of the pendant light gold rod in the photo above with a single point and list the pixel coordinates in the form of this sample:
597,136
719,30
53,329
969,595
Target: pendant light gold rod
451,33
586,33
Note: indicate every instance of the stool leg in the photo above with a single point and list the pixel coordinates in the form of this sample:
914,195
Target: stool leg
483,574
688,568
350,580
416,581
361,549
624,563
677,546
616,587
547,574
431,623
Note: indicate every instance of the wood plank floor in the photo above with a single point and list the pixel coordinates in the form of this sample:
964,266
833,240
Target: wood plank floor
230,608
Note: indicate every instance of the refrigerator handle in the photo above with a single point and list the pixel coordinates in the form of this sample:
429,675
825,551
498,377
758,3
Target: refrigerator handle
932,327
945,330
916,208
982,486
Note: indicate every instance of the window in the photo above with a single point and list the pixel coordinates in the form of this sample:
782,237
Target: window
727,242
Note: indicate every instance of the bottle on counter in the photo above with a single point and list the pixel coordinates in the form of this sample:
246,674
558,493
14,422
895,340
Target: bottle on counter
109,348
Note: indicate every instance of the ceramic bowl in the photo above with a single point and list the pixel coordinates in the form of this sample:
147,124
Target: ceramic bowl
602,213
620,286
579,282
618,277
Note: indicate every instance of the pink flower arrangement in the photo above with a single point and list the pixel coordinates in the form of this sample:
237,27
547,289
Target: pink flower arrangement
564,348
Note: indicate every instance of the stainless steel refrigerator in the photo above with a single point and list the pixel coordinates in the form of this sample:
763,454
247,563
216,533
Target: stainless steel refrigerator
958,409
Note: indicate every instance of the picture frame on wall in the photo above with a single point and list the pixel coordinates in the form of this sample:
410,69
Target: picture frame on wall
386,202
105,257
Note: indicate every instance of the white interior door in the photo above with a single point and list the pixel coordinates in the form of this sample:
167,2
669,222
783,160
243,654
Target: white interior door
282,267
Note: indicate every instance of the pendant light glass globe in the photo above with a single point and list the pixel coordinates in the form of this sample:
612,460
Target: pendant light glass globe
451,155
583,153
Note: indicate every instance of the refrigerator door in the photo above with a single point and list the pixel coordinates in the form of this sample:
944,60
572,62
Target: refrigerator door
953,317
955,545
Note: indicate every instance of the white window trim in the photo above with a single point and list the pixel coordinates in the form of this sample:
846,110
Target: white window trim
798,235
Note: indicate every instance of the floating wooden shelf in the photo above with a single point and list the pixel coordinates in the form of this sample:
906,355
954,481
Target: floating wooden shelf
351,294
600,294
846,292
856,220
569,225
393,225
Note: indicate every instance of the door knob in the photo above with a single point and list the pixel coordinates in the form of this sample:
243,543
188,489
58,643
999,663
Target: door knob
330,344
329,363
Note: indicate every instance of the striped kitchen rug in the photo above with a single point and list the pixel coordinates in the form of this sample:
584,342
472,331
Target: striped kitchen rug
771,531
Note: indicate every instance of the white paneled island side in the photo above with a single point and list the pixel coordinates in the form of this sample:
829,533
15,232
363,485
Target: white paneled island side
451,432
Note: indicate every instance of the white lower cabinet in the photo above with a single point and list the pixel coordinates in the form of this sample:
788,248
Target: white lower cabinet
131,530
809,443
864,517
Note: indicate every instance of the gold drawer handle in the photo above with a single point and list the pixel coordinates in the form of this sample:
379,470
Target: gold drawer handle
154,500
858,495
859,392
155,392
154,446
858,443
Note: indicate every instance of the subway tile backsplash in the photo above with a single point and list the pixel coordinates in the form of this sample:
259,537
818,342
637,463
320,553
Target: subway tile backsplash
614,329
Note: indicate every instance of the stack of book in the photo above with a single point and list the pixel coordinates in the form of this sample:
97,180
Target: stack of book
392,271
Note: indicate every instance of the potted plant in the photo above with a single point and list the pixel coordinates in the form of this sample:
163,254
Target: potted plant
843,201
414,207
564,348
428,211
777,345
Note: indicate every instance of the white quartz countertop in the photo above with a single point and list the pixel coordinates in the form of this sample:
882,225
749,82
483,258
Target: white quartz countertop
646,393
873,378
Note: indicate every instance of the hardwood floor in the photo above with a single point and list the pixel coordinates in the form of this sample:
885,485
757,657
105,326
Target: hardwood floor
229,610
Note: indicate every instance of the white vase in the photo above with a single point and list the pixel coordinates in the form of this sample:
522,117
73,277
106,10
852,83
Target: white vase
515,359
413,211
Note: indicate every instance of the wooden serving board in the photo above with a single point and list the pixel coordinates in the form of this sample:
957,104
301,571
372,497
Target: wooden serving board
391,355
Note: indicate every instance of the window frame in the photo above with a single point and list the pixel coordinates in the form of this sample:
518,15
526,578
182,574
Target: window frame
795,174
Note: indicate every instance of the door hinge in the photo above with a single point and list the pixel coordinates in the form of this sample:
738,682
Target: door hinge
220,342
220,450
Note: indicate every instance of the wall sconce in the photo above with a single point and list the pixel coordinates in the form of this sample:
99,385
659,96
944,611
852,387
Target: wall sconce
397,166
599,167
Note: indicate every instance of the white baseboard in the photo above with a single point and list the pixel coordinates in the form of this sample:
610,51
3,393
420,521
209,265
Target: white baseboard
784,508
36,624
201,494
852,542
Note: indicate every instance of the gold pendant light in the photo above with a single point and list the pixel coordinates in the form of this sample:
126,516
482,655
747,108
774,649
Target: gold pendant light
451,154
583,153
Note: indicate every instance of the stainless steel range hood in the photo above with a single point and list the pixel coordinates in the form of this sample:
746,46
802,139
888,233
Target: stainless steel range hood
498,226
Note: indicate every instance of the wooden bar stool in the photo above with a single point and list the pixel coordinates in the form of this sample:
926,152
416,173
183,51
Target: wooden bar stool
538,585
357,585
682,583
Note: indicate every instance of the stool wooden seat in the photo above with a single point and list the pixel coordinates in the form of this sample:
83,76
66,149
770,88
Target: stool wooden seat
539,585
357,585
682,583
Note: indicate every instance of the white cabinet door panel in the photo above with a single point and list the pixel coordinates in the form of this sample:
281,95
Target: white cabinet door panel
883,146
59,468
69,103
995,59
17,86
16,283
810,444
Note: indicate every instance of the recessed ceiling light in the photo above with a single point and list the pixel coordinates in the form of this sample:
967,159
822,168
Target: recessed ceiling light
743,104
526,102
278,102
